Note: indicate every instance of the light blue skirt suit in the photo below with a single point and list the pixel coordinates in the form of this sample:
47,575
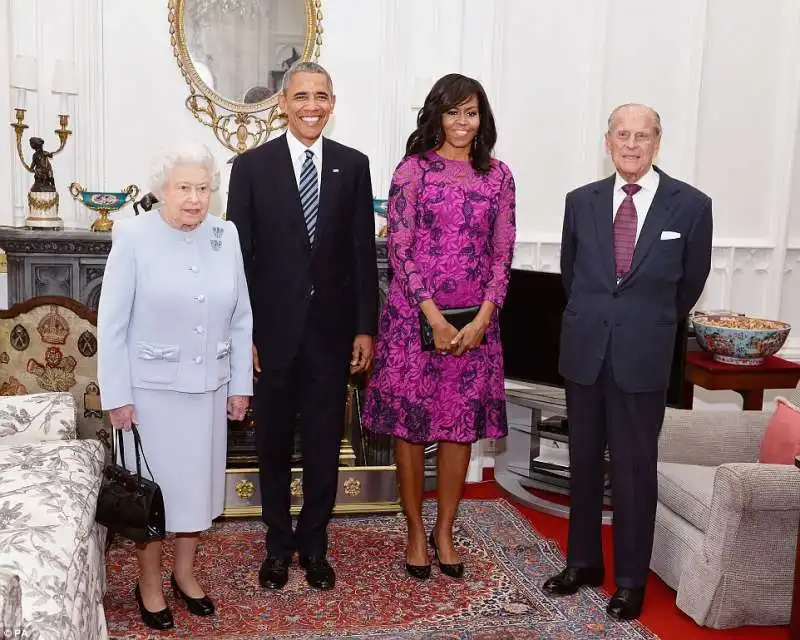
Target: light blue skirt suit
175,340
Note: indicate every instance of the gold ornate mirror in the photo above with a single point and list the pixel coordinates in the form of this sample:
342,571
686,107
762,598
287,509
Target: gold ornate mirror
233,54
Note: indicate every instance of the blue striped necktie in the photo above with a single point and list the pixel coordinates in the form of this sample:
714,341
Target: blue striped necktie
309,194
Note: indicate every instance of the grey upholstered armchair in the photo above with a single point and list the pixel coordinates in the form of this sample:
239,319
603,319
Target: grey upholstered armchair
726,526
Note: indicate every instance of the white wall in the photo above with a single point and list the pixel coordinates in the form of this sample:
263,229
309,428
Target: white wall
724,75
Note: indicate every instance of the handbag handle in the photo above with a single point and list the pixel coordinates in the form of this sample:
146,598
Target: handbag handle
138,450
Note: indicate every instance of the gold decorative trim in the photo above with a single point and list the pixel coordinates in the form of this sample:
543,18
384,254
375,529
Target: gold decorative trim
241,129
296,488
37,202
379,506
352,487
377,467
3,262
245,489
339,509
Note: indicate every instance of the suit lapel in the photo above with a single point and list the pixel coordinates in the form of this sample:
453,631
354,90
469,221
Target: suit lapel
602,206
661,210
327,188
289,186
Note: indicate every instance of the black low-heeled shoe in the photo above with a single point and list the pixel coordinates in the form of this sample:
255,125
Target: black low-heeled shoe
452,570
418,571
197,606
159,620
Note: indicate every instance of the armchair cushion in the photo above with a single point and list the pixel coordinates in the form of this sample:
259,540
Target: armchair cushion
36,418
781,442
687,490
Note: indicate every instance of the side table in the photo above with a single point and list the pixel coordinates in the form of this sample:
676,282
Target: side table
794,625
514,470
749,382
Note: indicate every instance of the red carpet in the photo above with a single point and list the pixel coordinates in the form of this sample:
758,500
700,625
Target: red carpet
499,597
660,614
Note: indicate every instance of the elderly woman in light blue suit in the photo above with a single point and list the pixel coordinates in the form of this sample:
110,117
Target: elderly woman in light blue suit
175,358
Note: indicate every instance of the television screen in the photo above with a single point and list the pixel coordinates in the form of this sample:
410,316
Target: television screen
530,328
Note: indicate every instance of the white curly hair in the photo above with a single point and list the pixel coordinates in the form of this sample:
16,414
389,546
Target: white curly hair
190,153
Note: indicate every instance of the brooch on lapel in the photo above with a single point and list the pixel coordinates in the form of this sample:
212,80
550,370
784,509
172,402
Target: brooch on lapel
216,241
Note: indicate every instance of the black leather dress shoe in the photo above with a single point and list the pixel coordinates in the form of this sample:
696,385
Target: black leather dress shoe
159,620
197,606
319,574
571,579
274,572
626,604
453,570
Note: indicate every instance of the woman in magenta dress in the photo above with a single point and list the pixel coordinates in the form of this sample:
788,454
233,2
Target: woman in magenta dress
451,240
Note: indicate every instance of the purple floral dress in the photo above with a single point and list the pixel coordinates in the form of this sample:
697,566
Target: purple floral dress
451,238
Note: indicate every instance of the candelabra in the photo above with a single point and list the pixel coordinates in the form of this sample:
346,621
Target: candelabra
42,197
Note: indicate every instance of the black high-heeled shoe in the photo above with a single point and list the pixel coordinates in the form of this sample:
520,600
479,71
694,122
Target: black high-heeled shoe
197,606
452,570
418,571
159,620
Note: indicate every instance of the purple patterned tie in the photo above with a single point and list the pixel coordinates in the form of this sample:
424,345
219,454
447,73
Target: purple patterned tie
625,223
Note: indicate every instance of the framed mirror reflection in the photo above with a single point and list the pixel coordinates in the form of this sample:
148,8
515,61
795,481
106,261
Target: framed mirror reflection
233,54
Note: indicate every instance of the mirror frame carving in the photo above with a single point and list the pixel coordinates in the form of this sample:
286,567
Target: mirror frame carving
237,125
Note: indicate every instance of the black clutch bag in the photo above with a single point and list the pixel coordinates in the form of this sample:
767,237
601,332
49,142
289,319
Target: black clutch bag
459,318
130,505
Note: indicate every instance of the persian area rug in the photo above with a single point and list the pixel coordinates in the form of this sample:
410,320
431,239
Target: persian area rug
499,596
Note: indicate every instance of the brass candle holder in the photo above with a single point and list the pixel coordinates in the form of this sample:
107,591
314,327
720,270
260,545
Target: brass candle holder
42,197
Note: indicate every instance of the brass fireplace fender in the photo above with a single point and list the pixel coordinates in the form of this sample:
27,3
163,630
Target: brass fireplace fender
360,490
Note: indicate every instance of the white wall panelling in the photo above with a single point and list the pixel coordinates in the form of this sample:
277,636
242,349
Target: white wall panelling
23,40
725,77
6,137
44,30
90,113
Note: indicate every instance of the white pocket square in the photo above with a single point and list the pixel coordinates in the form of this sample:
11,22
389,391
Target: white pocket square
670,235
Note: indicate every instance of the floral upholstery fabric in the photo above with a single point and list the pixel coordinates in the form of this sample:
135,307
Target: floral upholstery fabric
10,606
50,347
49,483
37,417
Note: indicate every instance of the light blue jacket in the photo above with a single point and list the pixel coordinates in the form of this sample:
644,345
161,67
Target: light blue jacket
174,311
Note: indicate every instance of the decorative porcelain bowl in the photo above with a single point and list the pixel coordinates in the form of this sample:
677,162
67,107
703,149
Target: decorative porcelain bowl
740,339
379,206
104,202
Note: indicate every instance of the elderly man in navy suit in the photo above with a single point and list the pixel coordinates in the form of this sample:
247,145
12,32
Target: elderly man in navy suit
635,255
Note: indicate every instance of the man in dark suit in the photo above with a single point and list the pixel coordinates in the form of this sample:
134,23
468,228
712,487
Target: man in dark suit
635,255
303,207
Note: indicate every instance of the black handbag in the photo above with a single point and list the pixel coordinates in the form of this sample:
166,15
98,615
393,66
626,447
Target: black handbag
129,505
459,318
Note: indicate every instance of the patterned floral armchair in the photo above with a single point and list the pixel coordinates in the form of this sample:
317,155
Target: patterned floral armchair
52,561
49,343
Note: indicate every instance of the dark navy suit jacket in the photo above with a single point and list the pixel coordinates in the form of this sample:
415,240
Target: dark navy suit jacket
636,318
282,267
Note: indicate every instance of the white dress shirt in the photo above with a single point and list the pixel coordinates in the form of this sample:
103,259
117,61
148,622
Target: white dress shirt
641,200
297,150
